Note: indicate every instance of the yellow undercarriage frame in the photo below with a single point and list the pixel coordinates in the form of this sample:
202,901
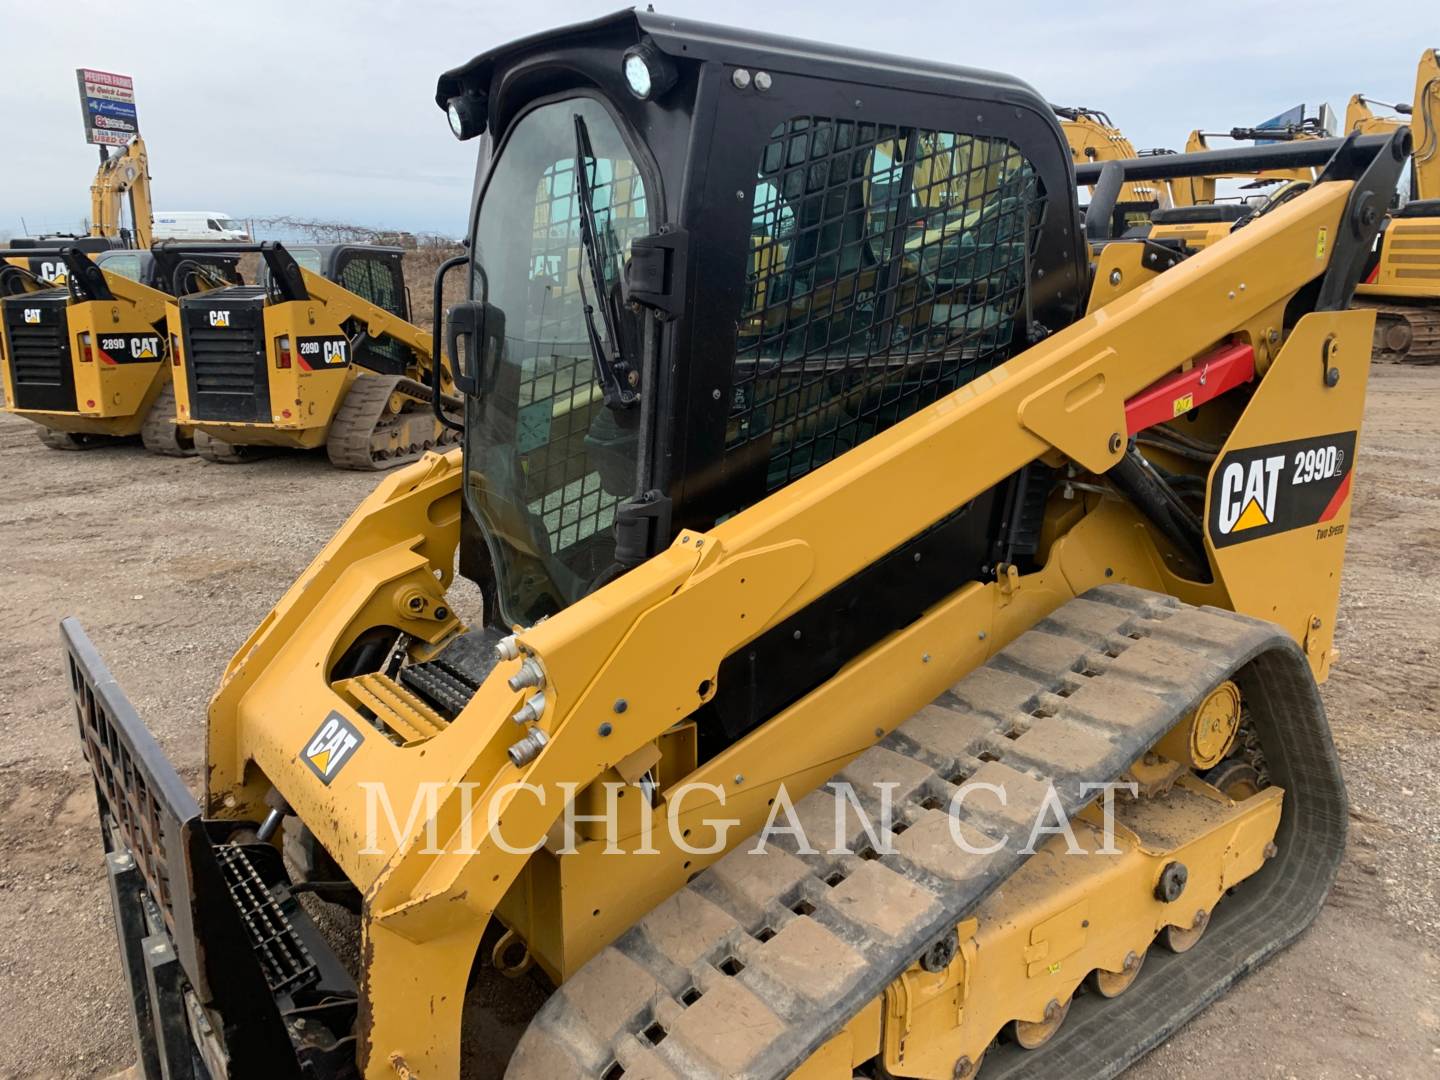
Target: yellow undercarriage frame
655,638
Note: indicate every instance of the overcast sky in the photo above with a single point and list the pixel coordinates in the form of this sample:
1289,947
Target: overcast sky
324,108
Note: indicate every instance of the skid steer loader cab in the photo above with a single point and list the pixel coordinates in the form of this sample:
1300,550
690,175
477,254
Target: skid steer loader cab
697,294
802,443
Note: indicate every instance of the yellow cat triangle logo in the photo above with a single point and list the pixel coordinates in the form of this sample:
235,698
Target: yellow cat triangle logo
321,761
1250,517
146,353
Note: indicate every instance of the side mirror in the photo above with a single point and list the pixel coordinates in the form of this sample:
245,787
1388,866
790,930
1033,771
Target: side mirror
474,338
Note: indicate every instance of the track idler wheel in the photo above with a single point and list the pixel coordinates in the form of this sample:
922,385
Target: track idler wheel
1111,984
1033,1034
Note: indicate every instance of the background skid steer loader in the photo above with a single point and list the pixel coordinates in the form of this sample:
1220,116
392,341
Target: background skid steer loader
87,359
1403,285
932,511
312,355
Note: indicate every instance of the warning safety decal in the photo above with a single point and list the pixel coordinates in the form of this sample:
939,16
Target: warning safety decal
1263,490
331,747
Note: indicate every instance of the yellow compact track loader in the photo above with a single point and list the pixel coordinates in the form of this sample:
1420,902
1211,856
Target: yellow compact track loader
883,665
1403,285
87,360
314,355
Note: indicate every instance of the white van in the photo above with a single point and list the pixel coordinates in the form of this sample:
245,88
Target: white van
197,225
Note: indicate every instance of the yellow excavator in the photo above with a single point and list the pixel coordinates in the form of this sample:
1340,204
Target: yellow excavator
88,360
1403,285
123,177
1093,138
921,682
320,352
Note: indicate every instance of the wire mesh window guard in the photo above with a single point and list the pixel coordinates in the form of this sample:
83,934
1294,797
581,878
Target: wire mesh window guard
374,280
888,266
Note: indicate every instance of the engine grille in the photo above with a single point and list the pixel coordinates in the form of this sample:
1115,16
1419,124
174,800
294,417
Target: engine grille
39,352
225,355
223,360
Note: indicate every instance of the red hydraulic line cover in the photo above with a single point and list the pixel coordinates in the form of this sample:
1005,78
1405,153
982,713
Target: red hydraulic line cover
1213,374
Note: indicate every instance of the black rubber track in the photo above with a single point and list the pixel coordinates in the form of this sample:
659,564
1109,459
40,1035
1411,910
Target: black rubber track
1092,687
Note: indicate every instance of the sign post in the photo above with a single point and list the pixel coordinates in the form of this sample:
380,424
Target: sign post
107,101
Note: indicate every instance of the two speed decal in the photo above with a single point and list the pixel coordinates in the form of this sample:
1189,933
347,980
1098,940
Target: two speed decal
1263,490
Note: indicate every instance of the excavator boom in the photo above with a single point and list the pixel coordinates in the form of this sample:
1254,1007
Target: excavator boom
123,177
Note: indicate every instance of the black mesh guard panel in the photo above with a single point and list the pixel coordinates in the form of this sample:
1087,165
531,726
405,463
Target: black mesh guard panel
887,268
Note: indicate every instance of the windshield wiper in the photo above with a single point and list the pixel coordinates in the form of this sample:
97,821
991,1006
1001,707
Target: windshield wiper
615,374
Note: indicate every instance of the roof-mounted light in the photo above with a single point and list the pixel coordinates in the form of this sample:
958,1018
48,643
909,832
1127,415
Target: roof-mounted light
466,113
648,72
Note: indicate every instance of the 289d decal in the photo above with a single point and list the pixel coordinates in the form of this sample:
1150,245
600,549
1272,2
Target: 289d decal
320,353
1263,490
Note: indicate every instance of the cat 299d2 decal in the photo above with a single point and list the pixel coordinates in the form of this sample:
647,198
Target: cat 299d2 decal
1263,490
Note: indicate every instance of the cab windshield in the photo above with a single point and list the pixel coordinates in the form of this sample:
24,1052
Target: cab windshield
548,461
126,264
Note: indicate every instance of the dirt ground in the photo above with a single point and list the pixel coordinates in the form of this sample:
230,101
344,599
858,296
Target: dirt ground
170,563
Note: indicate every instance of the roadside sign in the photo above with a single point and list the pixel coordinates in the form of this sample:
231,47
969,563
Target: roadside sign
107,101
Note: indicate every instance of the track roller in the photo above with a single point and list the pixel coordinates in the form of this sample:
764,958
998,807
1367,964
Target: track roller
1111,984
1033,1034
1182,940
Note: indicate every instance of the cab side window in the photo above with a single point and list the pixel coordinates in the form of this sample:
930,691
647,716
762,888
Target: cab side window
378,281
887,267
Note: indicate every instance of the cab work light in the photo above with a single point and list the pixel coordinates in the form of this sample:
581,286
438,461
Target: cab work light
648,72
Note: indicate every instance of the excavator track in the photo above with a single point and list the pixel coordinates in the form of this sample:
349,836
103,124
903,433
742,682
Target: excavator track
160,433
1073,701
369,433
1404,334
